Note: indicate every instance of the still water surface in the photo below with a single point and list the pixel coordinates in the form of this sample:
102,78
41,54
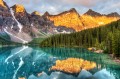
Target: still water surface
24,61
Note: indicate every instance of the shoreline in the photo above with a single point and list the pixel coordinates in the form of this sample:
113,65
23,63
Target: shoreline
117,60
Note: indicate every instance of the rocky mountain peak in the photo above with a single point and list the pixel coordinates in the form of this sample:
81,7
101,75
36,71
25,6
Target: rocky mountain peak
114,14
90,10
72,10
18,8
92,13
2,4
46,14
70,18
36,13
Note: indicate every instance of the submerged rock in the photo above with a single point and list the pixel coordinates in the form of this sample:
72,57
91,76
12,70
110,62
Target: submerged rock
43,76
103,74
84,74
32,77
54,75
60,75
22,78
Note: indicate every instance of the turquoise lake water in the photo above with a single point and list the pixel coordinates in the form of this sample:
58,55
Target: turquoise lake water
24,61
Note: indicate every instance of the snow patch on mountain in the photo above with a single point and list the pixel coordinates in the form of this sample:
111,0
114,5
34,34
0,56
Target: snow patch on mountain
19,25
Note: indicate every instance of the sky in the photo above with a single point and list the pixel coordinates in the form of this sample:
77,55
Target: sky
58,6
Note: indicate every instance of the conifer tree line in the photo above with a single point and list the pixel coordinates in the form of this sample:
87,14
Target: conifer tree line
106,37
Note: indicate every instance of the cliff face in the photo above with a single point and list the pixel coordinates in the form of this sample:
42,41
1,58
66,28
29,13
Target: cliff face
91,22
18,8
5,15
3,4
22,16
34,22
10,28
69,19
93,19
90,19
17,25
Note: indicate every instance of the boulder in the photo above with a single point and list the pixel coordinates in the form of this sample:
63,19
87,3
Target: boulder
60,75
32,77
43,76
103,74
85,75
99,51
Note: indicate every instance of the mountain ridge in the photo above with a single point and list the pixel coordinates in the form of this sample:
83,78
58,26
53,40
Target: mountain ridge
72,10
92,13
22,26
18,8
64,19
115,14
90,19
36,13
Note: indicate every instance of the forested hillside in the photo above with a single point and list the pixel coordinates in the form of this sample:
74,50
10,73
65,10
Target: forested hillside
106,37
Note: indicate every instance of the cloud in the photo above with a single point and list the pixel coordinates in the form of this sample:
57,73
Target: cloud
57,6
86,3
109,6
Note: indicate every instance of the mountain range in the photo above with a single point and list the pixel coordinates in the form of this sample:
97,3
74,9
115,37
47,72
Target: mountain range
90,19
17,25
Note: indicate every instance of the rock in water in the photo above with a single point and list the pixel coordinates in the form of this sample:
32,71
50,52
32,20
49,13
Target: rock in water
85,75
22,78
103,74
32,77
43,76
60,75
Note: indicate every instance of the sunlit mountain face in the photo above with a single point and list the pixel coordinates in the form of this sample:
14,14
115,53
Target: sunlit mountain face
79,22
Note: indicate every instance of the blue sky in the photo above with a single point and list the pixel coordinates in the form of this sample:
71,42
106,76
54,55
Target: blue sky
57,6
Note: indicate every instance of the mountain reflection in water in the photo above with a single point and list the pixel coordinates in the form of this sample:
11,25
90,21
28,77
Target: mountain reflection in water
16,62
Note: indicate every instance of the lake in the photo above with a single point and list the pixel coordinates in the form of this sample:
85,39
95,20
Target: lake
24,61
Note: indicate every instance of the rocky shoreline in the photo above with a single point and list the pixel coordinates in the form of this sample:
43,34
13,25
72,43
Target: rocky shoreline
115,59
